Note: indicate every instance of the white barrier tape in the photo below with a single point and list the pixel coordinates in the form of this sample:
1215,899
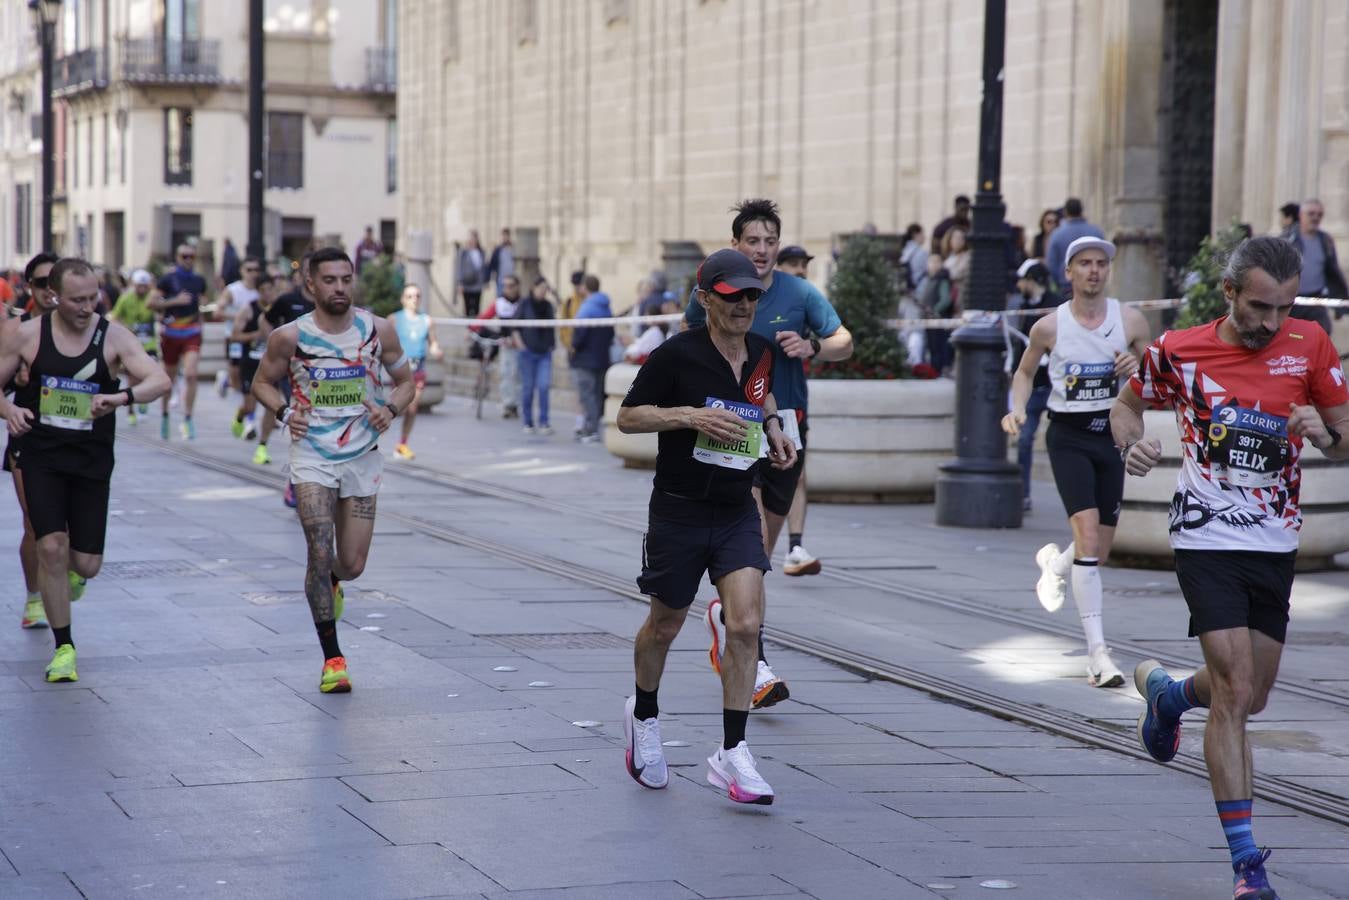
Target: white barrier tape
970,316
558,323
981,314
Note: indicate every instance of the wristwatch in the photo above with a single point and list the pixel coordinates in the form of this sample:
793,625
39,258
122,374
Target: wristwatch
767,419
1335,438
814,346
282,412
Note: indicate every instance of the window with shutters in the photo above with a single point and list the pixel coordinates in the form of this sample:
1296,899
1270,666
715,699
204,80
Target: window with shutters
285,150
177,145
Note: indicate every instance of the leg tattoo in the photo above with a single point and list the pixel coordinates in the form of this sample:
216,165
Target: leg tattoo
316,505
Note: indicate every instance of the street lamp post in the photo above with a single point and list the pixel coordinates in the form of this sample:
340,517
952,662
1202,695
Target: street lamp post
45,13
256,246
980,488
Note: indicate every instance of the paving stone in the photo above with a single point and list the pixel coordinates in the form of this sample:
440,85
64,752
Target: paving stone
479,782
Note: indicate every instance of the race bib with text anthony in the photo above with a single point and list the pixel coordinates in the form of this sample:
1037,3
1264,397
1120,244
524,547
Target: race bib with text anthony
65,403
1250,446
338,391
738,454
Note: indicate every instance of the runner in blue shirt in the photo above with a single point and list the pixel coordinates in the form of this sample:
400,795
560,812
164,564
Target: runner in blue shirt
801,323
417,334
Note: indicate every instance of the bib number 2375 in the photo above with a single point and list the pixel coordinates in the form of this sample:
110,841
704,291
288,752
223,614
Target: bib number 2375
66,403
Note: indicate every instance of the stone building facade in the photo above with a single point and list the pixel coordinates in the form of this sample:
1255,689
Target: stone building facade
151,126
613,126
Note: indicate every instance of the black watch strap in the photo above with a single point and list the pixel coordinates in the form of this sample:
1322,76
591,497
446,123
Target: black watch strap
1335,437
281,412
815,346
130,397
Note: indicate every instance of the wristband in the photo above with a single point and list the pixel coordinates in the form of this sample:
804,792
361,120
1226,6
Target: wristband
283,413
393,410
815,346
130,397
1335,438
781,424
1124,451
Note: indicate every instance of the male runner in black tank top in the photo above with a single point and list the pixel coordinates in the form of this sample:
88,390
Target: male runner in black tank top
247,331
73,357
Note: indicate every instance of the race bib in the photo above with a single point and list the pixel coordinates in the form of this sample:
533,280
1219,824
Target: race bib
1089,382
236,350
1250,446
145,331
338,391
791,429
65,403
257,351
737,455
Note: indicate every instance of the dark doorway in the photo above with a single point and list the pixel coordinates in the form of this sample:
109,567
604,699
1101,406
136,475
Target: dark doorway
297,234
1189,64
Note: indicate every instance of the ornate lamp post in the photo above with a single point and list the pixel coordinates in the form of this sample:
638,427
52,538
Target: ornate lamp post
980,488
45,14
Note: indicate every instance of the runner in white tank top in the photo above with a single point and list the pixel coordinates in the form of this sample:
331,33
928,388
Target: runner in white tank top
1092,342
336,414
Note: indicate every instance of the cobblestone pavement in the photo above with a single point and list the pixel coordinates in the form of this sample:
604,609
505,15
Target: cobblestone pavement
196,757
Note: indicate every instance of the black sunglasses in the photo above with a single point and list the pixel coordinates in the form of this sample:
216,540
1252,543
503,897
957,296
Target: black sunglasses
748,294
40,281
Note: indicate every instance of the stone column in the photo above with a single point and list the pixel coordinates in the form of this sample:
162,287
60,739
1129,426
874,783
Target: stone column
1259,200
526,242
1299,101
1229,113
1131,176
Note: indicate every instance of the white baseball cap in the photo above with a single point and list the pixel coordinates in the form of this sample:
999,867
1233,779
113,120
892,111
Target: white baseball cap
140,276
1089,243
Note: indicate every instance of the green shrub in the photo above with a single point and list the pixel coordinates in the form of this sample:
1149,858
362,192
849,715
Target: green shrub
381,286
1203,278
864,292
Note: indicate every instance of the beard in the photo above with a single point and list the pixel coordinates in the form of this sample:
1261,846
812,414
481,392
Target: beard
1255,338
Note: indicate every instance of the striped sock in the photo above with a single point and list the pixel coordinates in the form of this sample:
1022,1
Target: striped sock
1178,697
1235,816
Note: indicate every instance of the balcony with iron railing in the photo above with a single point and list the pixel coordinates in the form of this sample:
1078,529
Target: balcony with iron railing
159,61
83,70
381,69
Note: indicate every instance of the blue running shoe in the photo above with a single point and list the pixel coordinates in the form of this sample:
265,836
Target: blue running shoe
1159,736
1250,882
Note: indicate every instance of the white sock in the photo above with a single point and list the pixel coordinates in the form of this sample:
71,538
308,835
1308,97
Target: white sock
1087,595
1062,563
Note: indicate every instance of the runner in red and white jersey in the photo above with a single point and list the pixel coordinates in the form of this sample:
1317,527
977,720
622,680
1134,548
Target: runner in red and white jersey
1249,391
1239,481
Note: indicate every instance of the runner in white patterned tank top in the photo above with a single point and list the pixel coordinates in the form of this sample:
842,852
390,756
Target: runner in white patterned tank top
336,413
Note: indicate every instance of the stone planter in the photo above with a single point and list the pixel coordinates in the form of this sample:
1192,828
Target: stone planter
638,451
1142,537
878,441
870,441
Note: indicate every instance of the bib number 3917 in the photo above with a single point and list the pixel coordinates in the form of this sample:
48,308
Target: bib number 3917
1250,446
66,403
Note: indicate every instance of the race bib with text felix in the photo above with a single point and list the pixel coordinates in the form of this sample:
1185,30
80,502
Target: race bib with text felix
735,455
65,403
338,391
1250,446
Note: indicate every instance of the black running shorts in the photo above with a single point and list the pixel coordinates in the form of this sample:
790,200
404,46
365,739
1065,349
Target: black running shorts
1087,470
248,367
59,501
675,554
1233,589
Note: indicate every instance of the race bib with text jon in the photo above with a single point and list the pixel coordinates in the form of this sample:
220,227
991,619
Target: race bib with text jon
338,391
65,403
737,454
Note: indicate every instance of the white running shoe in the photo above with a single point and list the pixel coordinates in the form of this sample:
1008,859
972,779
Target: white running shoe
718,630
250,429
222,383
1051,588
643,745
734,772
800,562
769,689
1102,671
